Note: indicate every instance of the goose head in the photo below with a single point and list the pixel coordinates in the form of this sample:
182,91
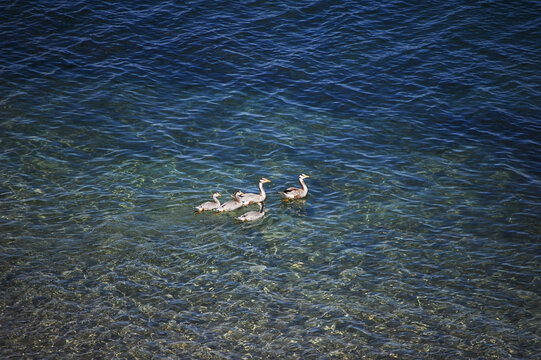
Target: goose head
237,194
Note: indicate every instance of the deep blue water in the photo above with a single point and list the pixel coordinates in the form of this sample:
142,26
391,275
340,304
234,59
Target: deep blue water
419,125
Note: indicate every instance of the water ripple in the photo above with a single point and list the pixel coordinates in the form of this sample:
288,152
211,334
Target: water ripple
418,126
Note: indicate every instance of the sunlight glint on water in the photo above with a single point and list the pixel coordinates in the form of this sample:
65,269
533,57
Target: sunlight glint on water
418,126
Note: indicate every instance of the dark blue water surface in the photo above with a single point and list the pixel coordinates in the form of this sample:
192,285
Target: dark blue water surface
418,122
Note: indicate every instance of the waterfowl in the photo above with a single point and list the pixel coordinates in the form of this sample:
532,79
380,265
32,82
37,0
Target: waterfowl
232,204
253,215
296,193
249,198
209,205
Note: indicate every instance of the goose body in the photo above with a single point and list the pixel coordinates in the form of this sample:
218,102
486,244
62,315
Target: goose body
253,215
232,204
209,205
250,198
296,193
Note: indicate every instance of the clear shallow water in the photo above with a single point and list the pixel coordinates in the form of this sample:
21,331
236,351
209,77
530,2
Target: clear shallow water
419,126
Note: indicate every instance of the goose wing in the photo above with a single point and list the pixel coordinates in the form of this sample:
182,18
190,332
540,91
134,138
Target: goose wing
209,205
291,189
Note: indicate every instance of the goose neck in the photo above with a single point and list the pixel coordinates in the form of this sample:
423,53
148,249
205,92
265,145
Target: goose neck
261,190
303,184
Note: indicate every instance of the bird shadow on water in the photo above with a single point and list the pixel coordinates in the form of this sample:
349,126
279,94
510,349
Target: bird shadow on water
295,208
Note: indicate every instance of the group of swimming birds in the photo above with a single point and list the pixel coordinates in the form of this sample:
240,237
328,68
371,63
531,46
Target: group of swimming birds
241,199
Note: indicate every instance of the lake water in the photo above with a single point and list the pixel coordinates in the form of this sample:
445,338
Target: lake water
419,125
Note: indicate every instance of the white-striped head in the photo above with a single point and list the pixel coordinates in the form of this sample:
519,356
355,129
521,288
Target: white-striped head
237,194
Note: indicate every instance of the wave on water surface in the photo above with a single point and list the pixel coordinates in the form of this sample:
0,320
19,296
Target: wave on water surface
417,123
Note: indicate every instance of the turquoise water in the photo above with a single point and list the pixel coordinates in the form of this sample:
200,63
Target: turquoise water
418,124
